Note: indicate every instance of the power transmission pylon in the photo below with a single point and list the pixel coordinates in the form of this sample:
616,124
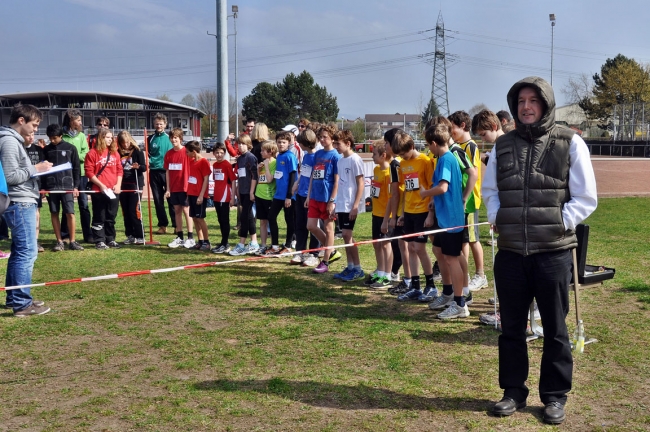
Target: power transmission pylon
439,84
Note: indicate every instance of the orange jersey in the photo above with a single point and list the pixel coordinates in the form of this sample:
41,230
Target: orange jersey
417,173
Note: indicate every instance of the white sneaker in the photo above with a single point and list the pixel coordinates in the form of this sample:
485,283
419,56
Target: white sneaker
138,241
296,260
310,261
293,244
454,311
189,243
395,277
130,240
478,282
442,302
176,243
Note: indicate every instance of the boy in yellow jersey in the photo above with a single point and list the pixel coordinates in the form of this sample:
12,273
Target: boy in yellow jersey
460,126
380,194
417,172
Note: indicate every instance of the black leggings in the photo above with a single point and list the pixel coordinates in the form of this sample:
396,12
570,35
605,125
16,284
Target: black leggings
131,213
246,218
223,216
397,256
301,226
289,219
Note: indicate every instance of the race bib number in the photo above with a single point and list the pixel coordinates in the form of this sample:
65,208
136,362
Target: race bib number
262,178
305,170
278,175
219,175
175,167
241,172
192,180
319,172
411,182
375,189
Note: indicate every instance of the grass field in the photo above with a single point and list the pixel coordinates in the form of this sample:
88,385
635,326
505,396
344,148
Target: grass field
266,346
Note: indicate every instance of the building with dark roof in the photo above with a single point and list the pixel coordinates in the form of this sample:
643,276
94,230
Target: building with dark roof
125,112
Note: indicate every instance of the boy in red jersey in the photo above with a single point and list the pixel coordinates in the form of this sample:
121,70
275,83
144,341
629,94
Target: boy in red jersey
177,173
197,192
224,194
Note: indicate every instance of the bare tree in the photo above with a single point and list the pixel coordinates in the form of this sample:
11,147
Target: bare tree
578,89
164,97
189,100
477,109
206,101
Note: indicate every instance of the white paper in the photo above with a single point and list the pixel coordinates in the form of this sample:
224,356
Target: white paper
278,175
241,172
63,167
219,176
109,193
192,180
175,167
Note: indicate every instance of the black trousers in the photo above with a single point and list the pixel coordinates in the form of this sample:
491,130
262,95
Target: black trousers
246,218
289,219
519,279
131,212
301,226
104,213
84,213
223,216
158,187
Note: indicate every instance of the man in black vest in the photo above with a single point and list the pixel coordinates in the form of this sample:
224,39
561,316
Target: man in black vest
538,186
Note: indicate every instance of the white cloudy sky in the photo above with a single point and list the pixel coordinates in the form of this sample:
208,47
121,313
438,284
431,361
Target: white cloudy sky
365,52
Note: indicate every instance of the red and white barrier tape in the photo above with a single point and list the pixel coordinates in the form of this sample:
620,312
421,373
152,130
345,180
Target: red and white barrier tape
216,263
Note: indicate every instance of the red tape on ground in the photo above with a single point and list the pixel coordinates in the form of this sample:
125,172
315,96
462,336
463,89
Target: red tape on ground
235,261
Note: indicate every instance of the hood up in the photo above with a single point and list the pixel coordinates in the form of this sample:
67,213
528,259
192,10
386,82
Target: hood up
545,91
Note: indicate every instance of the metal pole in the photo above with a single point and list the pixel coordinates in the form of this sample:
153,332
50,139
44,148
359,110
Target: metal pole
552,46
222,71
236,84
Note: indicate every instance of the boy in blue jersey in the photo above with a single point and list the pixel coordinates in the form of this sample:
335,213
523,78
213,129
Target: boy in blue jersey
447,193
307,141
286,169
321,196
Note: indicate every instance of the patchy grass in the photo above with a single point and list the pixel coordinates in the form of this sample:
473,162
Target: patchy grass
267,346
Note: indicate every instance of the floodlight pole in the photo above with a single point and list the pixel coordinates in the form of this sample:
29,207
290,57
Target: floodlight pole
235,11
551,18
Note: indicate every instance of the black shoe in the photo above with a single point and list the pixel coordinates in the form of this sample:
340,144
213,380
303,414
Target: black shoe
507,406
554,413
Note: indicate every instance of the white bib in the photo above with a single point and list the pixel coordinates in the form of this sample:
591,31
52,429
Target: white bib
411,182
192,180
319,172
241,172
305,170
218,175
175,167
278,175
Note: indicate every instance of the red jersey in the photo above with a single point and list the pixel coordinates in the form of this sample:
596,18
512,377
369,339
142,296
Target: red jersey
223,175
94,163
199,169
176,163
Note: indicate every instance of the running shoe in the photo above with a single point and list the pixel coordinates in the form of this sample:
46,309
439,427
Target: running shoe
239,250
454,311
321,268
400,288
189,243
478,282
76,246
411,295
342,274
253,248
177,242
441,302
429,294
310,261
335,256
129,240
381,283
353,275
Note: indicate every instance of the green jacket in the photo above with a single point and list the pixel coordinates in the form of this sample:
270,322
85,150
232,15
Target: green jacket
159,145
81,143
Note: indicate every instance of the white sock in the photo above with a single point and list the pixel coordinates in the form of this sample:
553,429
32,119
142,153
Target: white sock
465,291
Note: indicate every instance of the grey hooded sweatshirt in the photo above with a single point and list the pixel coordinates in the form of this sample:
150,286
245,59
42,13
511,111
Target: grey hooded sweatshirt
17,167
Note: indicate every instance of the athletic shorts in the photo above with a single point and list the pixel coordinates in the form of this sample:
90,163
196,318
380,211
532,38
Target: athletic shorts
263,207
397,231
377,221
473,231
197,210
451,244
414,223
317,210
344,221
57,201
178,198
